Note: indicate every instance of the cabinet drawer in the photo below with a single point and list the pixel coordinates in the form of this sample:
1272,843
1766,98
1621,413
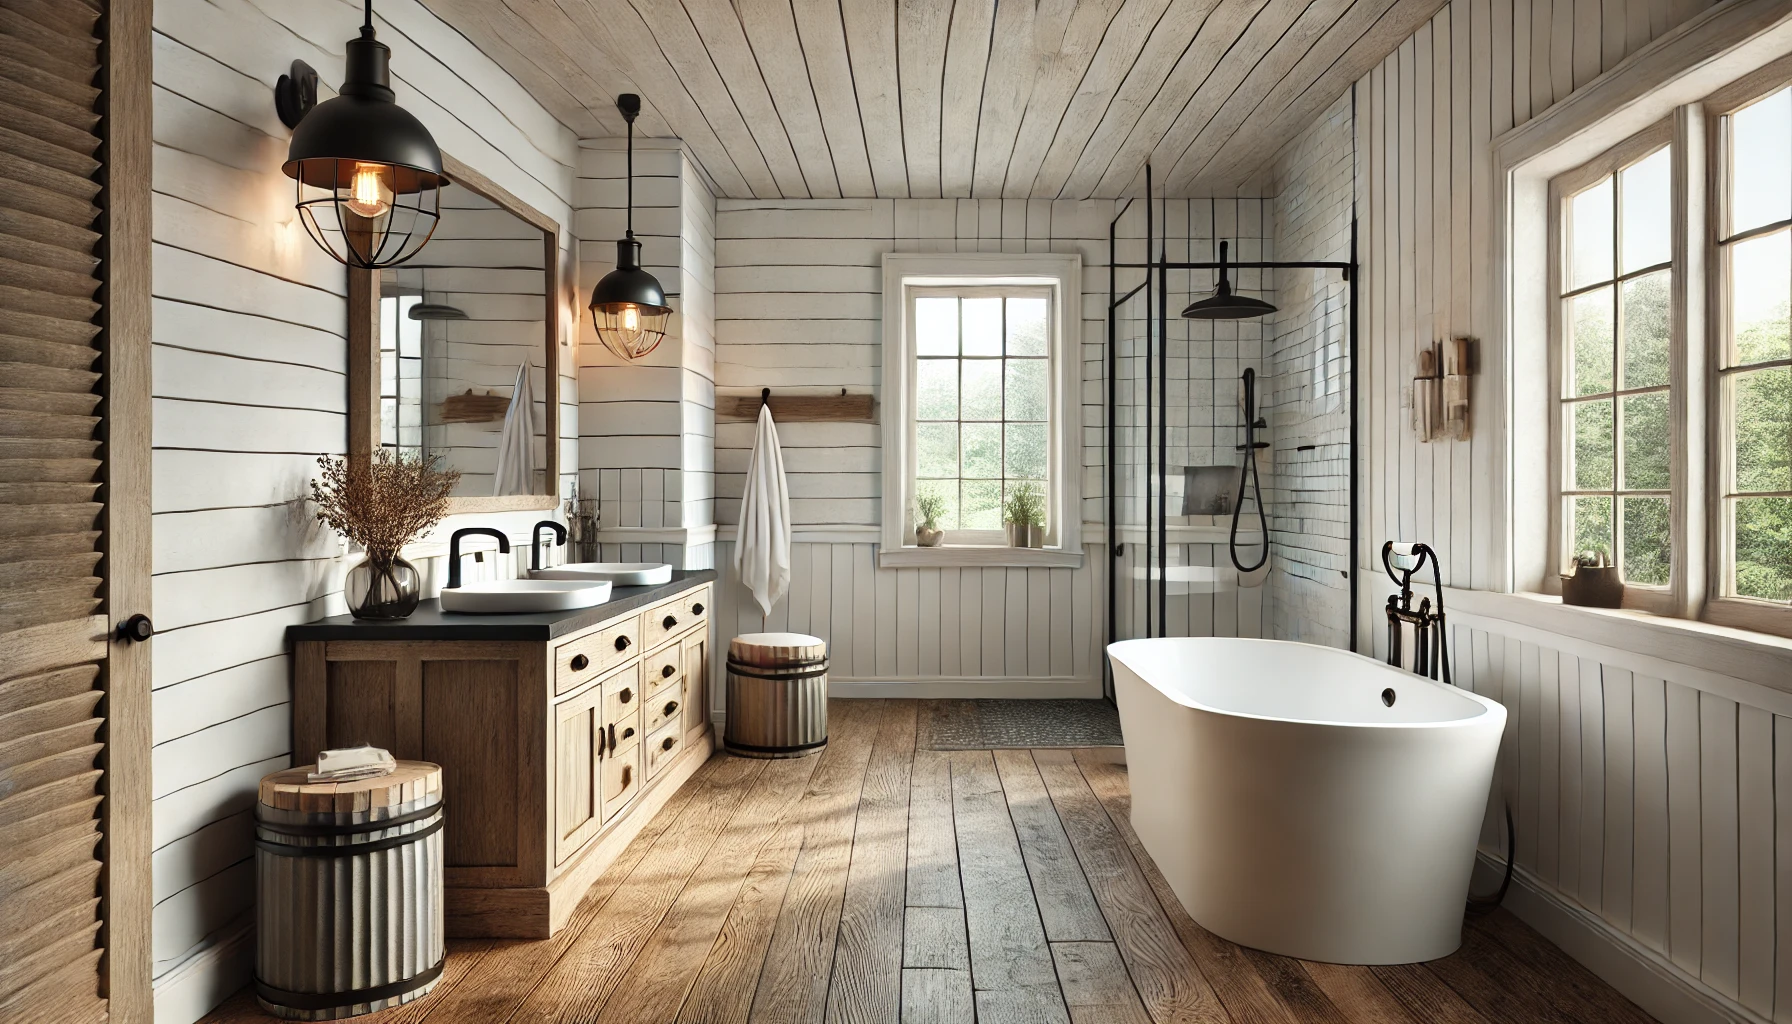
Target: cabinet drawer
662,707
620,778
584,658
670,618
662,747
662,668
622,707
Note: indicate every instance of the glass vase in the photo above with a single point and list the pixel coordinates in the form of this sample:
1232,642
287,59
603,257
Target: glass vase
382,588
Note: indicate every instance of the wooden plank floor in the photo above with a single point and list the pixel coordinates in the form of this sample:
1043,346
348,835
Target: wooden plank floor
884,884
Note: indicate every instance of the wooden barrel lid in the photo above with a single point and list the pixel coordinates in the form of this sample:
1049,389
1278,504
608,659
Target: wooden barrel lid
288,791
772,650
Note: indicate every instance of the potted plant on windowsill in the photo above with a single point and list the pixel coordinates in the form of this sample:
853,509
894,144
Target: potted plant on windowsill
928,509
1023,513
382,503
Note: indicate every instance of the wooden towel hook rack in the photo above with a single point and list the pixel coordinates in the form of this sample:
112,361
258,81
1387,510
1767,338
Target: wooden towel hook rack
844,407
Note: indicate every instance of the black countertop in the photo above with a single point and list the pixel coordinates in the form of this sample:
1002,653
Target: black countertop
429,622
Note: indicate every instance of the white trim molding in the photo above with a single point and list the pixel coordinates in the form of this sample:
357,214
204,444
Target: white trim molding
1062,273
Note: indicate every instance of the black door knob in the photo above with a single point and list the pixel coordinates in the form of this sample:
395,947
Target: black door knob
626,695
622,643
668,672
668,743
697,609
136,629
579,661
671,709
669,622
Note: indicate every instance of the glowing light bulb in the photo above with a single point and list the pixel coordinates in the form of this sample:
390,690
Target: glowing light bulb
631,318
369,196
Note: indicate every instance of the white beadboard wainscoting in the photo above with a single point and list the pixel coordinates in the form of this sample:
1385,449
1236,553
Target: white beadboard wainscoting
250,378
1649,774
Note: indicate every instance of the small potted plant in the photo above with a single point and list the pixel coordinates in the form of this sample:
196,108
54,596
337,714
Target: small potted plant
1024,516
928,509
382,504
1595,582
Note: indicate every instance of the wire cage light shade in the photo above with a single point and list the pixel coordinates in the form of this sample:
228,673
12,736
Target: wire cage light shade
367,174
628,307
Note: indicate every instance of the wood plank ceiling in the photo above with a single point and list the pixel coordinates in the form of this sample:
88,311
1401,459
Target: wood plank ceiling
1042,99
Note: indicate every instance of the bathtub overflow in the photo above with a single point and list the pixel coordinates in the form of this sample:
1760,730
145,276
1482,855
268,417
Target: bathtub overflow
1387,696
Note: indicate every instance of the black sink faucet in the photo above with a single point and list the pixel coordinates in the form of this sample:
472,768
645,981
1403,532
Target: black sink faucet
535,541
454,550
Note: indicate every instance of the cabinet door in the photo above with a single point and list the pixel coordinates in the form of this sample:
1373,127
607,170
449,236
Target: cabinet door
578,748
621,778
696,680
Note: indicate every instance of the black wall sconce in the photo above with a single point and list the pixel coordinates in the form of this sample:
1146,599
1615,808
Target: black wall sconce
367,174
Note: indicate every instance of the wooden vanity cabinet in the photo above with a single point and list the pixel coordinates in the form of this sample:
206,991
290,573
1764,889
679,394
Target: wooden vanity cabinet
554,752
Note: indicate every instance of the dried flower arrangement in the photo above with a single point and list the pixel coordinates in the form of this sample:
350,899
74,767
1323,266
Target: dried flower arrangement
382,503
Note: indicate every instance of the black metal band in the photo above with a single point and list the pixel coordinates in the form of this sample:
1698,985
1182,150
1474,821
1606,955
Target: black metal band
349,829
785,748
352,997
738,669
352,849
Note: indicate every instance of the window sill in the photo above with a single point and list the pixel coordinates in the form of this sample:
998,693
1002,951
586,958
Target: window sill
1632,636
993,556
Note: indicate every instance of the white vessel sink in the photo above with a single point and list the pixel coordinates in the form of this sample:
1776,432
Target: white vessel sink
621,574
517,596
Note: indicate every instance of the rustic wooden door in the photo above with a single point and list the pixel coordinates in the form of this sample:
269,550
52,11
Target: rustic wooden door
74,510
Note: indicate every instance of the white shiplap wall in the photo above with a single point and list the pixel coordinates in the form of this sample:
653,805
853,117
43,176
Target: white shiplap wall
250,387
648,442
1650,787
798,306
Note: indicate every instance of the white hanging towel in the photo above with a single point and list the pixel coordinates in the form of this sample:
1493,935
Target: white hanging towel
516,444
762,548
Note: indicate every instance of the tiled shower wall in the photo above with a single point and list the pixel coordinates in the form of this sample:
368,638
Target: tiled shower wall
1308,381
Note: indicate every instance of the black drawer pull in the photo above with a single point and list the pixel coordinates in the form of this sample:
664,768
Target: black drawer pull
622,643
626,695
671,709
668,743
697,609
579,661
626,733
669,622
628,775
612,737
668,672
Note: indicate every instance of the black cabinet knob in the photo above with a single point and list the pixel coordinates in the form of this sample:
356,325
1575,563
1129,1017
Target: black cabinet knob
622,643
669,622
579,661
671,709
136,629
626,733
668,672
668,743
697,609
626,695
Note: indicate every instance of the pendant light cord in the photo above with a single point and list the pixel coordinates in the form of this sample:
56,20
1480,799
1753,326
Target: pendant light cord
629,226
367,20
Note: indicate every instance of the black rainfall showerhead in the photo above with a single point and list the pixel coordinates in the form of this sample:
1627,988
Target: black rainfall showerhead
1223,304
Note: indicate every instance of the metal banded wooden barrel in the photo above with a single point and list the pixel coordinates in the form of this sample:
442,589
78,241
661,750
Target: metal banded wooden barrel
349,874
777,695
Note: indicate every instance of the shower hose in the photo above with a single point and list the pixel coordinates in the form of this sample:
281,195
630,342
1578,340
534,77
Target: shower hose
1247,477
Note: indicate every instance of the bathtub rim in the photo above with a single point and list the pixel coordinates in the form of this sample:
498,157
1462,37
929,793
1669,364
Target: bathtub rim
1492,712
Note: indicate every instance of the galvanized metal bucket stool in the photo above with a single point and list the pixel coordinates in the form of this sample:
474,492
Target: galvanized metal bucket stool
777,695
349,880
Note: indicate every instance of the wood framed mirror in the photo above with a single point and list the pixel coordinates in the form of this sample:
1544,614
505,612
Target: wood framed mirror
456,354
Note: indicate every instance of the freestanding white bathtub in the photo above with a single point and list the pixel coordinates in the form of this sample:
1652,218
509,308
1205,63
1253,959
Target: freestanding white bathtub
1304,800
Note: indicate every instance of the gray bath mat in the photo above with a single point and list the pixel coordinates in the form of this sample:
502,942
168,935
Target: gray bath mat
1003,724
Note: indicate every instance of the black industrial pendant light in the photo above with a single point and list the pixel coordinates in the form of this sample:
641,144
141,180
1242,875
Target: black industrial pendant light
1223,304
628,307
367,173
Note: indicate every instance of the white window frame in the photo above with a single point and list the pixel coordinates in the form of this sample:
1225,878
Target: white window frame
1061,275
1685,78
